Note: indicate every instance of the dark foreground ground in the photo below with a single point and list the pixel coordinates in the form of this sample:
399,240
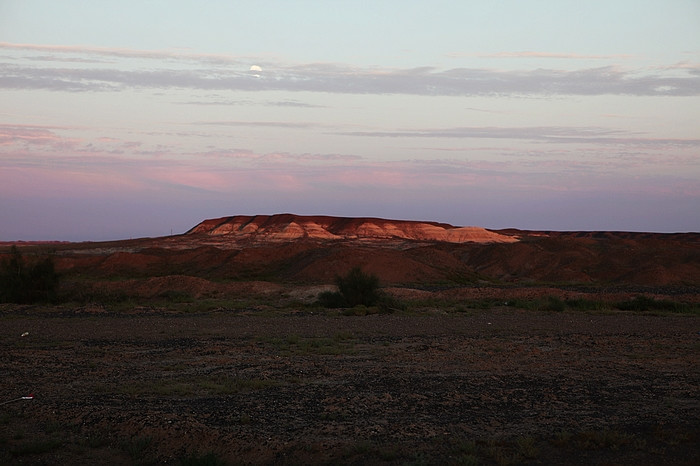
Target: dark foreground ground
499,386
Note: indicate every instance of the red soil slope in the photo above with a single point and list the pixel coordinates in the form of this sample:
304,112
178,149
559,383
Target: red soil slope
294,249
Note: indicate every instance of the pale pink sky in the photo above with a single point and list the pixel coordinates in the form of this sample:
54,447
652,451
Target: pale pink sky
146,119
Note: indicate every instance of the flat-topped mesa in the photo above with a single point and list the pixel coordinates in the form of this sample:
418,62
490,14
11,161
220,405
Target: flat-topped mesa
287,227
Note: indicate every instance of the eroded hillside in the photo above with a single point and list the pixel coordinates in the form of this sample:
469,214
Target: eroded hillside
294,249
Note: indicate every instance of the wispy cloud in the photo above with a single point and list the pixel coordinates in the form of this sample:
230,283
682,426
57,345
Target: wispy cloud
269,103
60,51
568,56
166,72
94,171
274,157
558,134
35,135
269,124
293,103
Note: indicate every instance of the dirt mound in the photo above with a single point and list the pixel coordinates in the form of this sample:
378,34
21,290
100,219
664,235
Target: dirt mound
171,287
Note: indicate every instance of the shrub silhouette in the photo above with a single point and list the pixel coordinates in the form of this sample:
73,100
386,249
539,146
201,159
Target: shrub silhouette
23,284
354,289
358,289
332,299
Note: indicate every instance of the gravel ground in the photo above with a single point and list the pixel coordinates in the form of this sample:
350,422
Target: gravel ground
502,386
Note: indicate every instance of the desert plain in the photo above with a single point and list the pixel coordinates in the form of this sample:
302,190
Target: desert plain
211,347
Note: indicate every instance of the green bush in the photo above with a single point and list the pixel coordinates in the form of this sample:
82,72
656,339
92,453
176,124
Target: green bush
554,304
582,304
332,299
27,283
358,289
644,303
547,303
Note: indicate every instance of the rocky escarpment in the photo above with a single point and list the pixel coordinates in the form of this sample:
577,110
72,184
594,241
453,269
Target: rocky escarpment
286,227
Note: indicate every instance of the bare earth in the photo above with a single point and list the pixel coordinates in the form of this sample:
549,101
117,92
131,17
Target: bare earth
498,386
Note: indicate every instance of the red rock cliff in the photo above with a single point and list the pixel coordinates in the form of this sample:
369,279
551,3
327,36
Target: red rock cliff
285,227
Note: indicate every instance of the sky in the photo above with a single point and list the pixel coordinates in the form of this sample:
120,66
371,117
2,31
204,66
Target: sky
141,118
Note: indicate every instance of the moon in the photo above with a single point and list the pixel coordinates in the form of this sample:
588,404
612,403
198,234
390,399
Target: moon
255,68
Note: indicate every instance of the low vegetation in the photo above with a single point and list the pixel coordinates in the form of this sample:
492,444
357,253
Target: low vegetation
646,304
25,283
354,289
358,289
